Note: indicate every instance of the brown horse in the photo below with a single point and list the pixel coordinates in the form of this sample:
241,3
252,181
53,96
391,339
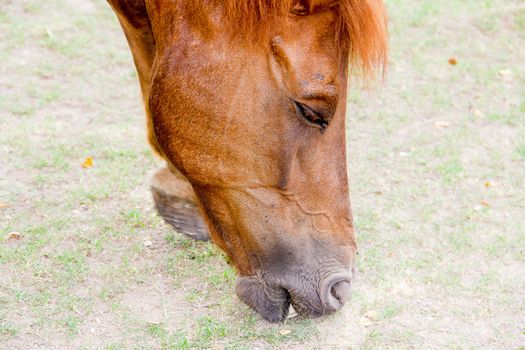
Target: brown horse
246,102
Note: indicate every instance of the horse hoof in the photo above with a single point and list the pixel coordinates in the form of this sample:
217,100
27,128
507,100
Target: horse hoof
181,214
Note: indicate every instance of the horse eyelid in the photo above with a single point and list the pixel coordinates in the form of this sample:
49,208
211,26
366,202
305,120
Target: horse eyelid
312,117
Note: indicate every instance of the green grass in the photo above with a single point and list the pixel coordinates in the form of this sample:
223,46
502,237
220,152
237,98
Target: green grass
8,330
437,267
520,151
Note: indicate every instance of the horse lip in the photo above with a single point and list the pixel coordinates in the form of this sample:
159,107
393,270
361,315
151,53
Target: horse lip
271,303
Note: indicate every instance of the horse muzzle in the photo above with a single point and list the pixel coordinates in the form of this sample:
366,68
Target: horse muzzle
271,297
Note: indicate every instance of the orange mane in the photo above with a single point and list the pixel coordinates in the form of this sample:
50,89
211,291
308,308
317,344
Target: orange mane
361,26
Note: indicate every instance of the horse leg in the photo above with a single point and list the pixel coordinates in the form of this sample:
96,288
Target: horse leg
176,203
172,193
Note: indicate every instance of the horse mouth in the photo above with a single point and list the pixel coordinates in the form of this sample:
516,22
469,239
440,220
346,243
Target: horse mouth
273,304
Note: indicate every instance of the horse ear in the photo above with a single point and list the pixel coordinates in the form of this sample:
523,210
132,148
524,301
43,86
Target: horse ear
363,33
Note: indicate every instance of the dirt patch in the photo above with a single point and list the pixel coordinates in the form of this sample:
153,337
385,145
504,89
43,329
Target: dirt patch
158,304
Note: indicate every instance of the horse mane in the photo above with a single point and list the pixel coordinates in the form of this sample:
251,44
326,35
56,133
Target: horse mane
361,26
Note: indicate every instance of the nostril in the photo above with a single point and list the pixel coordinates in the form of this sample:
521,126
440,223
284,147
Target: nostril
341,291
336,292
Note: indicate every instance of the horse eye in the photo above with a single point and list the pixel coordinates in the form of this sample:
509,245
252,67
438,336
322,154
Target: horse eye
311,117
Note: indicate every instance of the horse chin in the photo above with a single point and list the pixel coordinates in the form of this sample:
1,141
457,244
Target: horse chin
272,304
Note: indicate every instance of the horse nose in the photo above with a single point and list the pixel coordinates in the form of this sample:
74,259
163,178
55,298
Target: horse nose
336,292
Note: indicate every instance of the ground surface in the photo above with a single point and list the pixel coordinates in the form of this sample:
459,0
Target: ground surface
437,168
